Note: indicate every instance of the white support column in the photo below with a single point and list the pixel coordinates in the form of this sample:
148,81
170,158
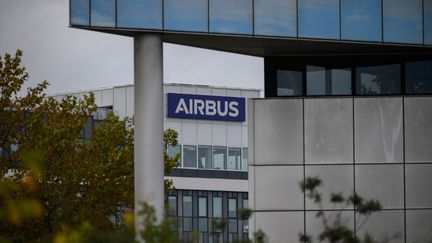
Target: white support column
148,120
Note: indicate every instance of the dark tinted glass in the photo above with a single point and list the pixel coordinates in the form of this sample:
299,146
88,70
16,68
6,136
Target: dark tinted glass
322,81
146,14
375,80
79,12
427,8
361,20
275,17
172,204
186,15
231,16
318,19
289,83
403,21
103,13
189,156
418,76
204,157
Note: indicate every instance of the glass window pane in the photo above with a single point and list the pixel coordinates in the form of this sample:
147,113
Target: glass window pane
79,12
219,158
146,14
231,16
186,15
232,208
427,11
418,76
275,17
234,159
217,207
245,203
318,19
172,205
361,20
187,206
187,224
204,157
189,156
103,13
202,207
403,22
245,163
375,80
202,225
322,81
232,225
289,83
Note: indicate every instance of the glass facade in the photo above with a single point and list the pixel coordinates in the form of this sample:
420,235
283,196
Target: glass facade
418,77
322,81
390,21
378,80
189,156
289,83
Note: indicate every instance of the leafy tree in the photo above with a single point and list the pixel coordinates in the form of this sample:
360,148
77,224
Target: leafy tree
334,224
51,179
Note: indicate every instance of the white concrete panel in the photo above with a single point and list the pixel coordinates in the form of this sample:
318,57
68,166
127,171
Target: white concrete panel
250,94
173,89
219,135
129,101
278,131
244,136
277,188
188,90
189,132
209,184
204,136
328,130
98,97
234,93
280,227
234,136
378,130
176,126
107,97
203,91
219,92
120,101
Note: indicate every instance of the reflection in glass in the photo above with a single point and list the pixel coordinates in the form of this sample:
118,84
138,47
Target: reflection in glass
79,12
172,206
289,83
275,17
189,156
418,76
234,159
427,17
245,160
187,213
232,208
146,14
231,16
403,21
217,207
375,80
204,157
219,158
186,15
103,13
318,19
322,81
361,20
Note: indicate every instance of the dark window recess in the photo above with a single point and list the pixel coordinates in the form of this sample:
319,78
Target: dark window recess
379,80
289,83
418,77
325,81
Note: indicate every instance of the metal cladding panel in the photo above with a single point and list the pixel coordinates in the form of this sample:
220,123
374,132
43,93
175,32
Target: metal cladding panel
280,226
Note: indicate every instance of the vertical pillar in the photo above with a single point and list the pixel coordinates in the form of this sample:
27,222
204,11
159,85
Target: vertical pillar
148,122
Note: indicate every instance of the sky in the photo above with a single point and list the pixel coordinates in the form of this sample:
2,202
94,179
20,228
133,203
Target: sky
71,59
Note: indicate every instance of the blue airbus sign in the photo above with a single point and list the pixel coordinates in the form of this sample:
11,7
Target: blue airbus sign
204,107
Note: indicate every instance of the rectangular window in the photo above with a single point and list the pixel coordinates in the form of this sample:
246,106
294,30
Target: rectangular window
145,14
245,221
202,207
276,17
79,12
418,76
219,158
204,157
289,83
172,206
187,213
103,13
234,159
186,15
217,207
318,19
189,156
325,81
245,163
377,80
232,208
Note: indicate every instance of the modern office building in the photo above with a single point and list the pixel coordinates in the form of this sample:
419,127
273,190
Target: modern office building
348,88
212,179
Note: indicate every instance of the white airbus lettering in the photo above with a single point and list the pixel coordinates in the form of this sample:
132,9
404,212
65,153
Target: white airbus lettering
208,107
